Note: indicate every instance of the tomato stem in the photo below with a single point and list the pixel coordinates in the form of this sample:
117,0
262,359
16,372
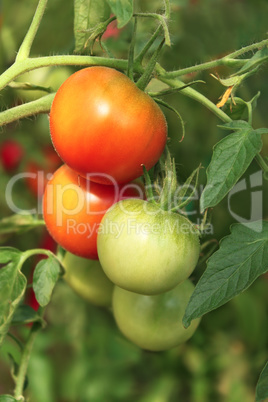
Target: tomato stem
146,76
143,52
26,45
22,371
41,105
131,52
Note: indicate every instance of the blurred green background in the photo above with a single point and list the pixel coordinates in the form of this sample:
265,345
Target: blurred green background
81,356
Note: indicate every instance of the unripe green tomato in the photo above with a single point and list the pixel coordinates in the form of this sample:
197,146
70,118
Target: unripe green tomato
87,279
144,249
154,322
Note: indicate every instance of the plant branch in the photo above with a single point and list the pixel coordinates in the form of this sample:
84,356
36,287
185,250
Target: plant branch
162,20
229,61
206,66
41,105
262,164
20,378
192,93
69,60
26,45
143,52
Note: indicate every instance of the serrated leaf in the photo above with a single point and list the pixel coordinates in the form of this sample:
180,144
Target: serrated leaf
241,258
123,10
87,15
25,315
45,277
259,57
262,386
19,223
231,157
12,287
7,398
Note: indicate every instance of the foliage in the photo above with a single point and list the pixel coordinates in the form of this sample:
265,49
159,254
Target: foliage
158,45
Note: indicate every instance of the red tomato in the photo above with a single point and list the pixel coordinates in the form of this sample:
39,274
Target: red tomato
112,31
11,153
100,122
73,208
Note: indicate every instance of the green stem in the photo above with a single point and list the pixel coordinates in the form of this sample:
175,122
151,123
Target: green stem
41,105
167,8
229,61
262,164
192,93
163,23
16,340
248,48
20,379
146,76
131,52
33,63
206,66
26,45
143,52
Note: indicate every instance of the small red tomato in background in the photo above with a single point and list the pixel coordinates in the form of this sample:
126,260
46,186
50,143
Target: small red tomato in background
73,208
11,154
101,122
112,31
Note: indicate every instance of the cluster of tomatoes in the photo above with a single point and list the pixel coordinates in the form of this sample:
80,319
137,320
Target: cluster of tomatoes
121,249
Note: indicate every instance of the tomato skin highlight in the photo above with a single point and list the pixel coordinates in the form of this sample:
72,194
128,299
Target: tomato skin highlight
73,208
100,122
146,250
87,279
154,322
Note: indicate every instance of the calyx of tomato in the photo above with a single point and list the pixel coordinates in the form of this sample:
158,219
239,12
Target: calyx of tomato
166,191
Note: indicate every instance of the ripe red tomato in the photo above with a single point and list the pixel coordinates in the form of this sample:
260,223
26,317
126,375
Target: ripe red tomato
73,208
11,153
100,122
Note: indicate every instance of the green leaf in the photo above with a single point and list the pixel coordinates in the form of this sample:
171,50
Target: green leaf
231,157
44,279
12,287
25,315
241,258
262,386
7,398
259,57
19,223
123,10
87,15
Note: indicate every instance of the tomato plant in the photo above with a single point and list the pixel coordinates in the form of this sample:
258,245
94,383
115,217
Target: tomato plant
87,279
145,249
108,128
100,122
73,208
154,322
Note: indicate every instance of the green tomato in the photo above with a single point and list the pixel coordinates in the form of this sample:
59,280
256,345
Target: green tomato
154,322
144,249
87,279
